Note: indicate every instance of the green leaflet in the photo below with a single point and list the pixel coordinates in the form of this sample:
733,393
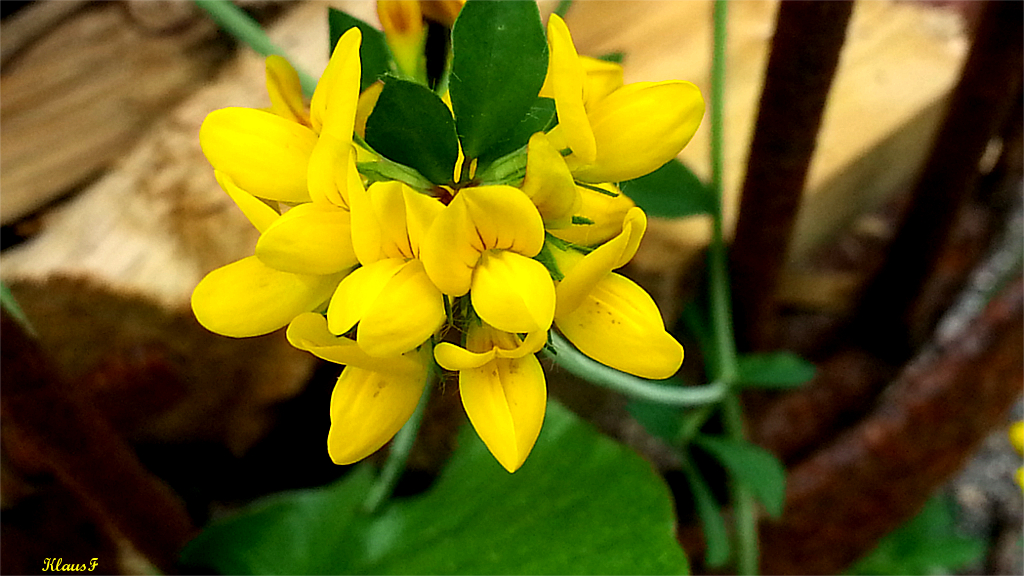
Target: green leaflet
774,370
412,126
499,63
672,191
752,465
582,504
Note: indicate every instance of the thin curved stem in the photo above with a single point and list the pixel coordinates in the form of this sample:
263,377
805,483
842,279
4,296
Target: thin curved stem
568,357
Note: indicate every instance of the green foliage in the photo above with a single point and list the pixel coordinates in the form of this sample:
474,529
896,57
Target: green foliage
412,126
672,191
774,370
926,544
752,465
716,538
537,119
500,59
582,504
374,53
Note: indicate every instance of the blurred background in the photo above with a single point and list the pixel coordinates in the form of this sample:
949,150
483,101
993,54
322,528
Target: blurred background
874,199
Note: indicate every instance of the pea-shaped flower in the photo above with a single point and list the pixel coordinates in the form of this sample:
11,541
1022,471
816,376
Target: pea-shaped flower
618,134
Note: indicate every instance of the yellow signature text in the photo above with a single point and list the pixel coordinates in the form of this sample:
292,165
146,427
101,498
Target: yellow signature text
58,565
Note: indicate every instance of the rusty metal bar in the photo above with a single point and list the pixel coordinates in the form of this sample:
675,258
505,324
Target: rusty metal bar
804,54
988,87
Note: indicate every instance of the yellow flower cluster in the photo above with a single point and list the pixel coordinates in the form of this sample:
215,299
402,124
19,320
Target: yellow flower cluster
387,279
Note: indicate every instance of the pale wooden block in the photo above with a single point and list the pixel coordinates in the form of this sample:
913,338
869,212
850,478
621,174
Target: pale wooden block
158,221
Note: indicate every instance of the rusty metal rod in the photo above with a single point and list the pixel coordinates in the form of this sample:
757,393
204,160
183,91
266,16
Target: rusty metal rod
988,87
804,54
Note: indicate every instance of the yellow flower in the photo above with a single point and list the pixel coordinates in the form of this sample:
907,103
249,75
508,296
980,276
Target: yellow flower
302,254
502,387
391,298
369,277
406,32
373,398
549,184
609,317
603,212
619,134
483,243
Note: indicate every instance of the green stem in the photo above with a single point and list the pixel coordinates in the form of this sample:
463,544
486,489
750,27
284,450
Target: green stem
237,23
401,446
742,497
721,304
566,356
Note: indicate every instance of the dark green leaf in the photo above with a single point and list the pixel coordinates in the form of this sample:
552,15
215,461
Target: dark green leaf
926,544
658,419
582,504
753,466
672,191
716,552
412,126
500,58
373,51
774,370
536,120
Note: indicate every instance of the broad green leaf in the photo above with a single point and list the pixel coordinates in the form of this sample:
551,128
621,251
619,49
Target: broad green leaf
716,550
672,191
752,465
774,370
537,119
374,53
582,504
412,126
926,544
500,58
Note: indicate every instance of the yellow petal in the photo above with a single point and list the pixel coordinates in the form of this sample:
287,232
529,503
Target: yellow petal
331,169
1017,436
249,298
285,90
549,184
581,278
640,127
606,212
368,408
390,220
356,293
263,153
309,332
479,219
257,211
333,106
505,400
484,344
619,325
512,292
602,78
364,107
403,315
565,80
311,238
